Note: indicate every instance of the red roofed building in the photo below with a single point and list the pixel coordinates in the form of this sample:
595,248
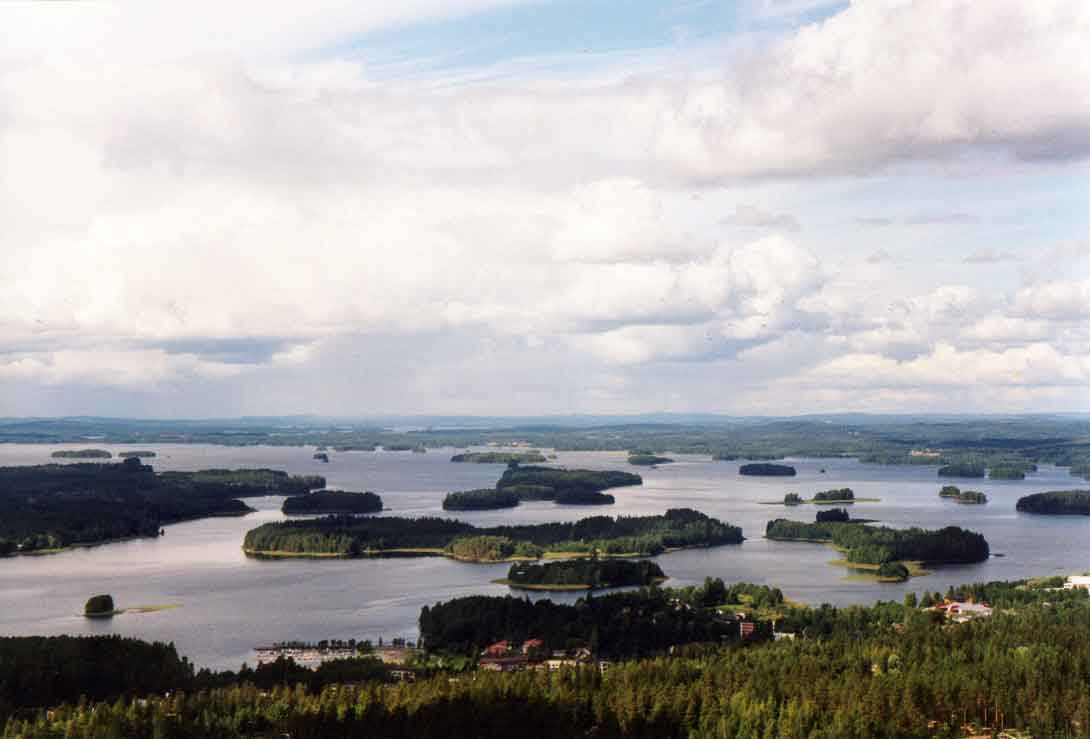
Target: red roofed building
499,649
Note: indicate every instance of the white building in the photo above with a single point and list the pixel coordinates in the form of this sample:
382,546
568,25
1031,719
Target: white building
1077,581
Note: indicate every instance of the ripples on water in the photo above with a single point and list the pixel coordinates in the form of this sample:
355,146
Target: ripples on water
231,603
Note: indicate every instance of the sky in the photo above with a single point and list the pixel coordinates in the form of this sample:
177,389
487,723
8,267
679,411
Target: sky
509,207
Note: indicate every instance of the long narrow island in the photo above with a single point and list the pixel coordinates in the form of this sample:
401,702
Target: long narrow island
624,536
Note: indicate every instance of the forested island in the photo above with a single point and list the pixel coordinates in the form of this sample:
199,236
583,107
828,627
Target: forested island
1057,503
962,469
553,482
764,469
50,507
81,454
672,650
99,606
332,501
876,546
484,499
968,497
342,536
138,453
584,574
562,486
528,457
844,496
321,457
647,459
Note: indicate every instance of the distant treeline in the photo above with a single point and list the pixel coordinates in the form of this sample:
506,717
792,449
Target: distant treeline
348,536
58,505
877,545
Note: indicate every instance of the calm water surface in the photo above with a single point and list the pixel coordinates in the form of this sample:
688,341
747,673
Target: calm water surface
230,603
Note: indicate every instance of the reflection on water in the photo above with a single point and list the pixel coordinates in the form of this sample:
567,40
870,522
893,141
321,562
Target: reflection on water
231,603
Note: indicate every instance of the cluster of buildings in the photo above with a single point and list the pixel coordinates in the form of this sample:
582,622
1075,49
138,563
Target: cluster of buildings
1077,581
962,611
506,656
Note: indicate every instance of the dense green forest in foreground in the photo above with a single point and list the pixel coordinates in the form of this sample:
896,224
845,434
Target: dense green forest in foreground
348,536
57,505
878,545
889,670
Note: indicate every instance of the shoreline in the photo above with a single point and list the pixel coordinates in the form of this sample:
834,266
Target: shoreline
864,571
122,539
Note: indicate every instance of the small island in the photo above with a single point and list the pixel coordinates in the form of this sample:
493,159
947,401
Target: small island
967,497
138,454
321,457
332,501
484,499
81,454
99,606
647,459
604,536
840,496
531,457
1057,503
764,469
584,574
962,469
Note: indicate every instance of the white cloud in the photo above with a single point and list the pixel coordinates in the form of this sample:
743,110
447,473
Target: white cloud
1057,300
154,213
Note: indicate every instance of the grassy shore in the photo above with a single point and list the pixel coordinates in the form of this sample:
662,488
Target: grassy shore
153,608
869,573
865,572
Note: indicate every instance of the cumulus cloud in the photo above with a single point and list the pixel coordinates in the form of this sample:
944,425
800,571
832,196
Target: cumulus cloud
1057,300
210,216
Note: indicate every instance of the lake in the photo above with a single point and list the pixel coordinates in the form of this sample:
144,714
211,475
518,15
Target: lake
230,603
